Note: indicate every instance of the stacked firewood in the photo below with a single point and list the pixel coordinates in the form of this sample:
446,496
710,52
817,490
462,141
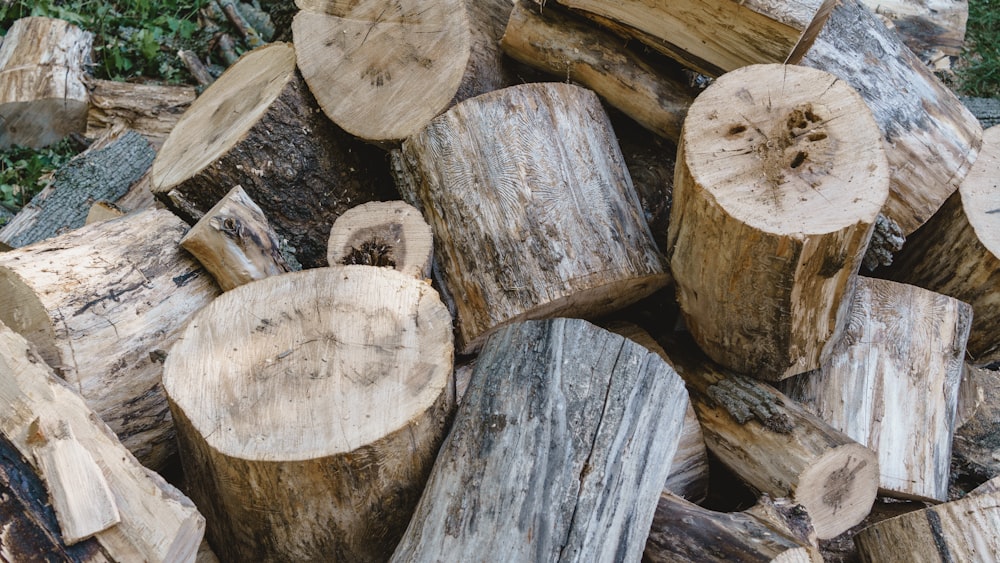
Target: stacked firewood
503,281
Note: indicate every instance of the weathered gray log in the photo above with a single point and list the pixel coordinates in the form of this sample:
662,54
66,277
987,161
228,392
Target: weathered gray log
986,110
976,449
558,452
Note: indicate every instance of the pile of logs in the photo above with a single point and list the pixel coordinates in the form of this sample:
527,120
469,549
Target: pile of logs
506,281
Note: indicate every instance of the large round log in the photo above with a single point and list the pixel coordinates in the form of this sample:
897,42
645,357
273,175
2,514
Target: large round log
780,176
103,303
258,126
309,407
533,211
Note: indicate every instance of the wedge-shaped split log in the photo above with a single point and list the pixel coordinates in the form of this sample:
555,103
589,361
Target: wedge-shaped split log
780,176
558,452
157,522
103,304
958,252
892,383
309,407
533,211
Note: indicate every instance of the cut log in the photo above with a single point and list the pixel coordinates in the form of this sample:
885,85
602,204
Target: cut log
961,530
103,211
257,126
928,27
986,110
683,531
320,395
650,160
102,304
533,211
152,110
382,69
574,49
390,234
776,446
158,523
235,243
779,179
716,36
957,253
42,94
976,448
487,68
558,451
930,138
892,383
105,171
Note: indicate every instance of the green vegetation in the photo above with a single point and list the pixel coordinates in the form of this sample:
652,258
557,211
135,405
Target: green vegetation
979,71
22,172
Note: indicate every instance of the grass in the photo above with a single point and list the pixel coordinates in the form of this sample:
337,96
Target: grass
979,73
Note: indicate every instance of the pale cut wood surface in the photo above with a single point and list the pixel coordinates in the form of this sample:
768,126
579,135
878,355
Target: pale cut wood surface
892,383
533,211
780,176
381,69
158,523
383,233
928,27
321,395
103,304
558,451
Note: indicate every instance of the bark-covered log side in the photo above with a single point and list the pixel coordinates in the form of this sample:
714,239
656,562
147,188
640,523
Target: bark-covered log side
150,109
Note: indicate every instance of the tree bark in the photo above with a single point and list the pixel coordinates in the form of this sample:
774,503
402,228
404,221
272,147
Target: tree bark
779,180
151,110
892,384
42,94
928,27
300,169
102,304
391,234
930,138
534,214
777,447
397,65
957,253
158,523
309,407
558,452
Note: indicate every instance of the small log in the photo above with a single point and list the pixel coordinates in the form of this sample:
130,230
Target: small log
298,167
927,27
158,523
42,93
963,530
390,234
102,304
197,68
105,171
715,36
103,211
487,68
150,109
398,64
533,211
892,383
576,50
551,459
957,253
776,446
320,395
930,138
683,531
976,449
779,179
235,243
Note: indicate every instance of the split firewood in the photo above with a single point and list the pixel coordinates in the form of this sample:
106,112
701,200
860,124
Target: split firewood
780,178
930,138
150,109
551,459
533,211
962,530
957,253
105,171
322,395
157,522
976,449
103,303
43,97
776,446
683,531
235,243
573,49
390,234
103,211
928,27
381,69
716,36
892,383
257,126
